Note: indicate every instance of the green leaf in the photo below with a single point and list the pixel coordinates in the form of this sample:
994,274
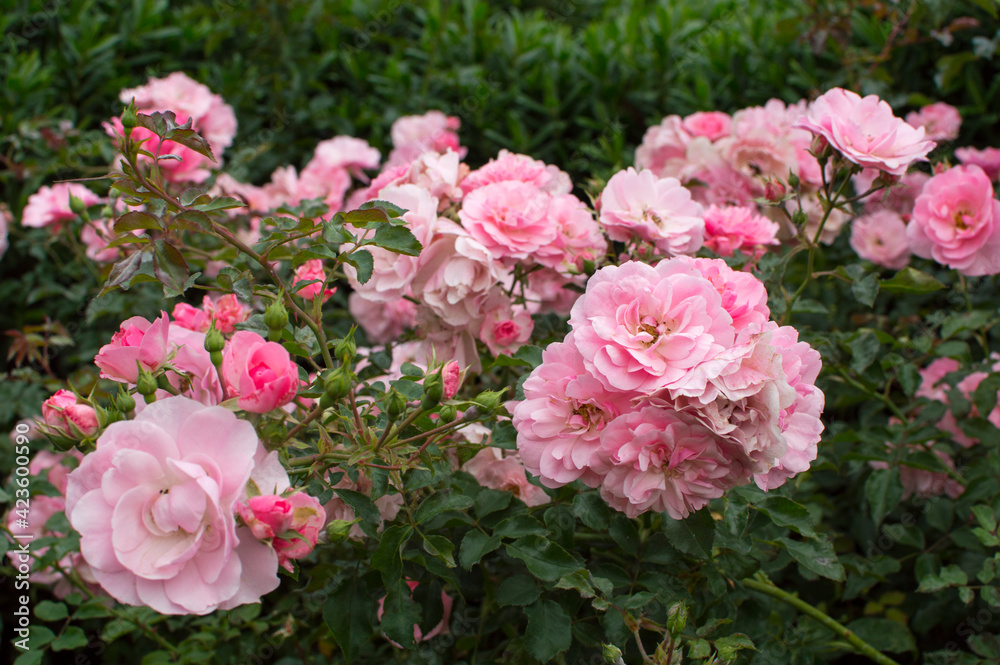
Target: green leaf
729,645
549,631
475,546
864,348
518,590
884,491
966,321
519,525
349,612
335,234
545,560
817,556
47,610
985,397
33,657
191,220
865,289
363,217
440,548
388,555
884,634
592,510
910,280
137,221
361,260
95,608
391,209
580,581
220,203
72,638
398,239
170,268
400,614
490,501
986,517
440,503
694,535
122,272
785,512
363,508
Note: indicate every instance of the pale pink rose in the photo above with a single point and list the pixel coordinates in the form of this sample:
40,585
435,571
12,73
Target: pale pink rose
418,635
509,218
880,237
720,183
713,125
284,188
270,516
956,222
560,420
800,423
548,290
196,376
578,236
261,373
392,273
345,152
309,271
932,384
382,321
988,159
506,327
940,121
413,135
865,131
730,228
657,210
177,92
493,469
455,276
766,142
390,175
255,197
55,467
50,205
137,341
663,461
743,295
664,148
63,412
643,328
451,379
440,174
512,167
154,507
923,483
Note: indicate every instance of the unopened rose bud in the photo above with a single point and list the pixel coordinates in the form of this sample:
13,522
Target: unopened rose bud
799,218
337,385
346,349
125,402
774,190
447,414
129,118
146,385
395,404
612,654
338,530
275,318
433,392
451,379
77,205
489,400
214,341
677,617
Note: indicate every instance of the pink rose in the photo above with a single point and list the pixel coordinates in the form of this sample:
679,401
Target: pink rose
512,167
195,375
664,148
418,634
311,271
261,373
190,166
940,121
137,341
154,506
227,311
269,517
50,205
191,317
988,159
880,237
382,321
53,467
506,327
451,379
661,460
413,135
509,218
560,420
713,125
642,328
658,210
743,295
578,236
956,221
736,227
865,131
492,469
63,412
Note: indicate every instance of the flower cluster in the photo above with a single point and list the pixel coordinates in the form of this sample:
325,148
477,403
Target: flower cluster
672,387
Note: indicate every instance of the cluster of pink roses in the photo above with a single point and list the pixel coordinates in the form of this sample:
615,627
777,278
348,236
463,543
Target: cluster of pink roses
672,387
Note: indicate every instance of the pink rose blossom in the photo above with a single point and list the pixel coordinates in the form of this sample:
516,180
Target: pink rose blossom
643,328
988,159
548,288
658,210
512,167
191,166
743,295
261,373
382,321
509,218
50,205
54,468
195,375
560,420
192,318
578,236
63,412
661,460
865,131
731,228
270,516
227,311
880,237
506,327
713,125
940,121
440,174
137,341
492,469
956,221
413,135
664,148
418,635
310,271
154,506
923,483
451,379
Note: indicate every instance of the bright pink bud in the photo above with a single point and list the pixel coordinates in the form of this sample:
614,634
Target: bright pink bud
451,378
62,411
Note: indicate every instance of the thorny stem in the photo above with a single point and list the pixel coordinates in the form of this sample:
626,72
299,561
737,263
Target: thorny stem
313,415
761,583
